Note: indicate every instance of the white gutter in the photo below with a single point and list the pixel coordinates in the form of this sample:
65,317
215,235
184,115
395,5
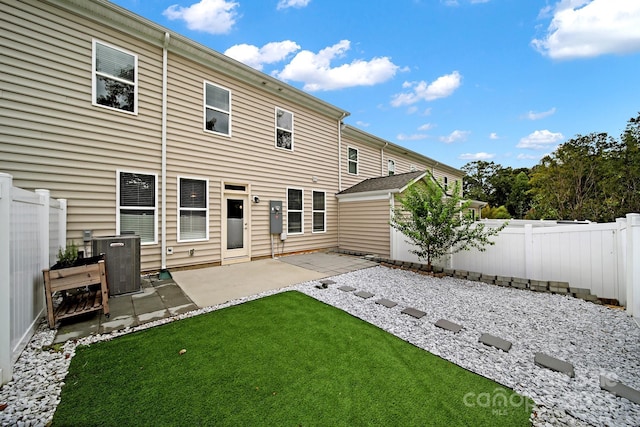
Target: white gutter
163,226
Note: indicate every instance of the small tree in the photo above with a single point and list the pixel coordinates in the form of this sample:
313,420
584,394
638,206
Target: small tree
439,224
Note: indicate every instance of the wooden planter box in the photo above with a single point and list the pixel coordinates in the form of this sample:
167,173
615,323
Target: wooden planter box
81,301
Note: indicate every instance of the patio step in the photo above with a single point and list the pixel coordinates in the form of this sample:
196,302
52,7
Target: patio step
449,326
619,389
546,361
496,342
414,312
364,294
387,303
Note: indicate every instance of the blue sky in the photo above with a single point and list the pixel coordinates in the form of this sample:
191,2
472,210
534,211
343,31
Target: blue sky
455,80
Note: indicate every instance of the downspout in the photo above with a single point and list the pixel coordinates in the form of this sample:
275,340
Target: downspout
340,124
163,223
382,159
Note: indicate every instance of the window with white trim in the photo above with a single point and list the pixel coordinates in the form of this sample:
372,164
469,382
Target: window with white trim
115,77
319,211
193,212
137,205
352,159
217,109
284,129
295,211
391,167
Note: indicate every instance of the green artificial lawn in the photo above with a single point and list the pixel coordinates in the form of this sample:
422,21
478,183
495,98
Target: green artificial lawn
285,360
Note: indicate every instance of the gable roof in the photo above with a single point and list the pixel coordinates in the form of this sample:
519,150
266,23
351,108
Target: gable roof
388,184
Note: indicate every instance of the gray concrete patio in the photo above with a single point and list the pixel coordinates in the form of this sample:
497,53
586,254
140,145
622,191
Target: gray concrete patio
197,288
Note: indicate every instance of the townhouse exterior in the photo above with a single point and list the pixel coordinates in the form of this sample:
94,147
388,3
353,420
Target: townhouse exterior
143,130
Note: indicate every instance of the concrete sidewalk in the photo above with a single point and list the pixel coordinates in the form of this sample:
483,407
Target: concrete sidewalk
217,285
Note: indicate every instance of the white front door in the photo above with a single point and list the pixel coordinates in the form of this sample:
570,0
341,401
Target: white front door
236,231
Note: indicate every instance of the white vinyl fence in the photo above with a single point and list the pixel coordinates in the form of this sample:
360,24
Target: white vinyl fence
599,257
32,229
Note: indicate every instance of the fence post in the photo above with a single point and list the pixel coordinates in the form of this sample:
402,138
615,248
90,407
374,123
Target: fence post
43,227
621,269
528,251
6,369
633,268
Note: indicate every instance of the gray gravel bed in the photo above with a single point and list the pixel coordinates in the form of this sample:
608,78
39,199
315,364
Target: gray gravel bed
595,339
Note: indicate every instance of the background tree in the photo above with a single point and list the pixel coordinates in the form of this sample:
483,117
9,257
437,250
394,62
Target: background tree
490,212
519,198
438,225
476,184
571,183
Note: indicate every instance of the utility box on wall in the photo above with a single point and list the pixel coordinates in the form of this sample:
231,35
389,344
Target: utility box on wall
275,217
122,259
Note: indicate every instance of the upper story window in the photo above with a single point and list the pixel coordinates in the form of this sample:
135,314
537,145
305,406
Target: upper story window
217,109
193,211
391,167
284,129
295,211
352,159
115,77
445,181
137,205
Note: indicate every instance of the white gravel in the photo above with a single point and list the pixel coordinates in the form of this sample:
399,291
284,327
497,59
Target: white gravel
595,339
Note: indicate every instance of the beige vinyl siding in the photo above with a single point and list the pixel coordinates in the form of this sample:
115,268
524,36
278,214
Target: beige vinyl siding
248,157
364,226
53,137
368,162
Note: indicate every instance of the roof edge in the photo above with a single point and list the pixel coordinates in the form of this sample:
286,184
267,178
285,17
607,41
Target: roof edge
105,12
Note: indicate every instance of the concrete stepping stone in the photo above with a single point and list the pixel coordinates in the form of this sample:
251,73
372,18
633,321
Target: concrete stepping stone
496,342
364,294
546,361
387,303
346,288
414,312
327,282
619,389
449,326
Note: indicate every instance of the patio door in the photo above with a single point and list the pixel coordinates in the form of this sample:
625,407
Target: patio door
235,225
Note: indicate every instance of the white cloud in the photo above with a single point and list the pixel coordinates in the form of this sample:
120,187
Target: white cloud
529,156
588,28
540,140
476,156
283,4
256,57
412,137
210,16
426,126
363,124
456,135
532,115
441,87
493,135
456,3
314,69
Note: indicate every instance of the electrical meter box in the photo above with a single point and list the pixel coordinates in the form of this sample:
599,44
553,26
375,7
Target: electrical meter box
275,216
